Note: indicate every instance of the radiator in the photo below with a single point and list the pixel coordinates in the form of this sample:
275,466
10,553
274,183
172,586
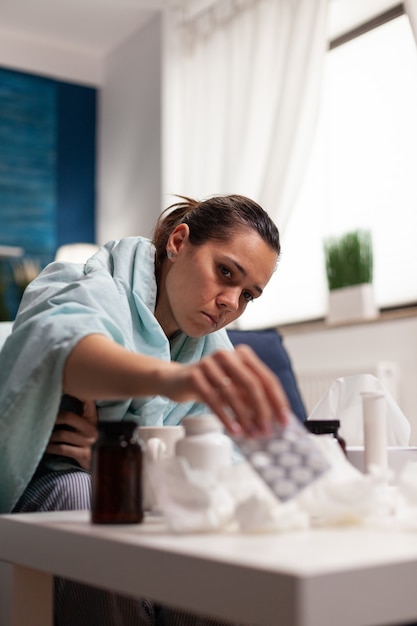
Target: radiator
313,385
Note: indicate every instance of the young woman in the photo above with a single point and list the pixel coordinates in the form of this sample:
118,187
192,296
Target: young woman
134,333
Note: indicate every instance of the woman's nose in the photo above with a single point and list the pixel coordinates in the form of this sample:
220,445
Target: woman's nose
229,299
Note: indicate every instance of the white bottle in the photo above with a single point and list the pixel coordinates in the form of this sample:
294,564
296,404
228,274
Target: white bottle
375,430
205,446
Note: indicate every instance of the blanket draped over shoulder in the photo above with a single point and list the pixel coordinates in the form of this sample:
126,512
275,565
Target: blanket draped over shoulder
113,294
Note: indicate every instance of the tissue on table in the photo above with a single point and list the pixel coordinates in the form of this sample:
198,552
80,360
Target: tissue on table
236,498
256,495
194,500
343,401
344,495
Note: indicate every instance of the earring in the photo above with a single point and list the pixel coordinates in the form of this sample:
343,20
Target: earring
170,255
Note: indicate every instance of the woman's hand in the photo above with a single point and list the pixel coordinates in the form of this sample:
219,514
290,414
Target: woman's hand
79,434
243,392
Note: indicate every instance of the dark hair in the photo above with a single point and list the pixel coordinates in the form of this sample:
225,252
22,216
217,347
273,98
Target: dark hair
217,218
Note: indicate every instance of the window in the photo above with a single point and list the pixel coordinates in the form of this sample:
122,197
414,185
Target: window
362,172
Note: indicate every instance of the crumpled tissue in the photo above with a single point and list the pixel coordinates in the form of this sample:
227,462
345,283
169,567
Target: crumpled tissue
233,498
344,495
343,401
406,510
237,499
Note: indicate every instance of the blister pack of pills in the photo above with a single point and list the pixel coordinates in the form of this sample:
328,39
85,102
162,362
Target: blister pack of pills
287,460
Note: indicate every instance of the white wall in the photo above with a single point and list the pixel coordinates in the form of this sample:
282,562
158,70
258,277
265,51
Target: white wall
361,345
129,176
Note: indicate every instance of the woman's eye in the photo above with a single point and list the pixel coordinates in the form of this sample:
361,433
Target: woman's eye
225,271
248,296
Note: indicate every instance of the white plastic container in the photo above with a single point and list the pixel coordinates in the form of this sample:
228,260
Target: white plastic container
375,429
205,446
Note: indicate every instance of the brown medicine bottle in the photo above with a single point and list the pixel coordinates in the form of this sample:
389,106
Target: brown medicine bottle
117,474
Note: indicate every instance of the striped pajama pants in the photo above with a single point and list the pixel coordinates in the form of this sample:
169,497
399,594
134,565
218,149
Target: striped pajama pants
77,604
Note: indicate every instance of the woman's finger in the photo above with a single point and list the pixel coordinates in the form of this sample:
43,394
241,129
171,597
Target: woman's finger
77,423
90,411
199,387
73,438
224,392
273,392
241,390
81,455
74,435
255,394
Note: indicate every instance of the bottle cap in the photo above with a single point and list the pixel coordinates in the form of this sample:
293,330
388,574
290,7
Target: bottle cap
123,427
200,424
322,427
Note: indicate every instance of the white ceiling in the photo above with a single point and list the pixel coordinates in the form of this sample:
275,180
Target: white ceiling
97,26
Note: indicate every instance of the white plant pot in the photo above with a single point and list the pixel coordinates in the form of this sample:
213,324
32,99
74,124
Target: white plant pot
351,304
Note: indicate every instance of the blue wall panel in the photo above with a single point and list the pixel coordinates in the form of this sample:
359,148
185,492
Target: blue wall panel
76,136
28,163
47,167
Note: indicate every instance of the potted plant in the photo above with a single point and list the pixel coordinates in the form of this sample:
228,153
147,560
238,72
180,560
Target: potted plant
349,270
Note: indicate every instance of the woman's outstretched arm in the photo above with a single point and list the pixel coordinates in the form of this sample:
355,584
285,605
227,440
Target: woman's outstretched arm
237,386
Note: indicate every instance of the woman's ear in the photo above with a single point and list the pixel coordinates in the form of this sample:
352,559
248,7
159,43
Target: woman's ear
176,240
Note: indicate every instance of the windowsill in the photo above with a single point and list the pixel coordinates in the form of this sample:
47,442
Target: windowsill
386,315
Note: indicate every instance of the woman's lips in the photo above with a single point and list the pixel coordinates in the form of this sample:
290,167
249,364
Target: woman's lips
212,320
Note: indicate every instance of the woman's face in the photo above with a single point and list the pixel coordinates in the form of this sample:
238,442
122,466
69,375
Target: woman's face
204,288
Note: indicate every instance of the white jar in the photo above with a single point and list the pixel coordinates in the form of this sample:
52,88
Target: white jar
205,446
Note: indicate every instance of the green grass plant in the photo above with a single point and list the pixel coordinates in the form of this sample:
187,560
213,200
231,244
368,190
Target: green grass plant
349,259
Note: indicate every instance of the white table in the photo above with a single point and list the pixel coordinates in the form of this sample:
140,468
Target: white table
334,577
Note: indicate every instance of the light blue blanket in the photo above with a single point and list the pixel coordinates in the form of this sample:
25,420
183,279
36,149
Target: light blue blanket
114,294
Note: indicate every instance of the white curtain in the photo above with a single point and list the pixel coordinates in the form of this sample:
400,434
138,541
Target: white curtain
242,88
411,10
